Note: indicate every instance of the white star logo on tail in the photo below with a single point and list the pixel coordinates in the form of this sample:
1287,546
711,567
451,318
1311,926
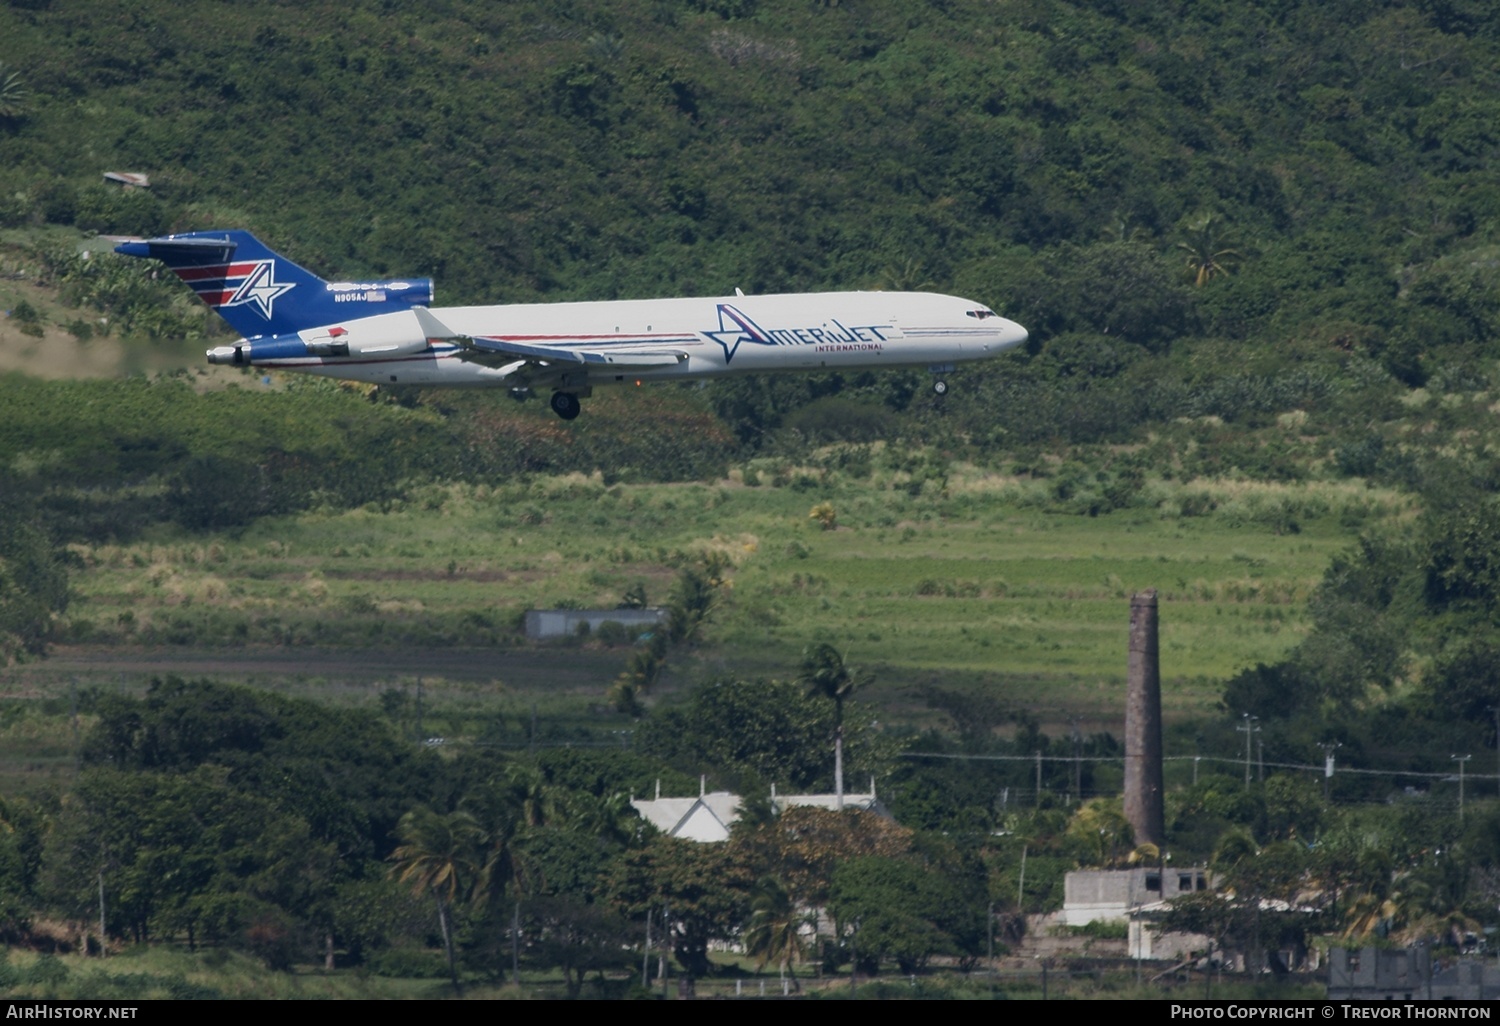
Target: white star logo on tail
261,288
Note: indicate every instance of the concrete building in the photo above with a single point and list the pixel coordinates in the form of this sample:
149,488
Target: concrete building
550,624
1134,896
1408,974
1112,895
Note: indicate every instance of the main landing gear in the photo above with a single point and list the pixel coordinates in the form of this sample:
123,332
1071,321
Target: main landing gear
566,405
940,386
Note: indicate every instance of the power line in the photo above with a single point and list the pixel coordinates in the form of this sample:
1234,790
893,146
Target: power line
1305,767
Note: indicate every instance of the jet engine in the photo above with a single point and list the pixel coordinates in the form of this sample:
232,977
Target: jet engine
392,334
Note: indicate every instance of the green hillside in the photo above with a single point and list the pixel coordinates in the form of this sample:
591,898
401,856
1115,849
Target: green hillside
529,149
1231,210
1257,245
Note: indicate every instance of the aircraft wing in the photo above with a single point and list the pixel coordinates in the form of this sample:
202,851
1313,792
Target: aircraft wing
503,352
482,348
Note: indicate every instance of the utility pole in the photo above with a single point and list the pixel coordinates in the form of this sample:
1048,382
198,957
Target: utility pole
1461,759
991,951
1077,762
515,947
646,955
103,931
1495,712
73,714
1248,728
663,967
1329,747
1021,886
854,961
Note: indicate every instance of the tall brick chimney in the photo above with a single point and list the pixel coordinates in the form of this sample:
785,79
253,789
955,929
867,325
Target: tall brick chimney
1143,777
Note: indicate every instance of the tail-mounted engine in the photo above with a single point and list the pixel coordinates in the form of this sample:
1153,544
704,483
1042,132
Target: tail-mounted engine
384,335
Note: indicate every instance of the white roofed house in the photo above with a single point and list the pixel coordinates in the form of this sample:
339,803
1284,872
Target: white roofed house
707,817
710,815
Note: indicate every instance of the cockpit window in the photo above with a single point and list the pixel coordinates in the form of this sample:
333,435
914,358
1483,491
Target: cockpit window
981,314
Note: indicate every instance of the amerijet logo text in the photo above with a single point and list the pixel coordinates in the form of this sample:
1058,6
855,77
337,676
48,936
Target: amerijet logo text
833,337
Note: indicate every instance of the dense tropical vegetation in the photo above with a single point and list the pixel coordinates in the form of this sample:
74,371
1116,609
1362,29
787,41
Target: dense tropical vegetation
1255,244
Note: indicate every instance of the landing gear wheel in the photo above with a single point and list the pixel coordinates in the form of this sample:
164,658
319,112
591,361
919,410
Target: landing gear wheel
940,387
566,405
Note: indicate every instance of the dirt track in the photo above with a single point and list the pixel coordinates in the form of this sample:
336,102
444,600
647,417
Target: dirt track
560,669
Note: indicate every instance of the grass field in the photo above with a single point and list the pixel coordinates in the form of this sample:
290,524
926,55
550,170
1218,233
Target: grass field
160,972
980,585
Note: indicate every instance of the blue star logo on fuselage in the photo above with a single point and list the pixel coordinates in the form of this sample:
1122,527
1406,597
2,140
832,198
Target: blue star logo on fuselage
735,328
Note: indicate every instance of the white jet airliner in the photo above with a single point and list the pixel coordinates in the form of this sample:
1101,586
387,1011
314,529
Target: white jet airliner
386,332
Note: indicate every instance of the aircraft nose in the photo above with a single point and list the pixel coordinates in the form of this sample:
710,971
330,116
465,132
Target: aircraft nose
1011,334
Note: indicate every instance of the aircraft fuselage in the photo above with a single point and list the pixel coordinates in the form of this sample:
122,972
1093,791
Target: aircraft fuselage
387,332
737,334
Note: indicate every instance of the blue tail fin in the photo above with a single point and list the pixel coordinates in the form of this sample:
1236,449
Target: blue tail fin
260,292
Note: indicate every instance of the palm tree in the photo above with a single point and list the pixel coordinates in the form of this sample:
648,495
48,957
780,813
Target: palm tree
439,855
1100,828
825,673
695,596
909,276
608,817
13,94
1124,228
642,670
1430,901
1210,253
1367,874
534,799
505,808
775,930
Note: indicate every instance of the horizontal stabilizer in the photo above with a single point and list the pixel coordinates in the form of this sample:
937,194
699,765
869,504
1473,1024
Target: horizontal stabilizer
186,250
